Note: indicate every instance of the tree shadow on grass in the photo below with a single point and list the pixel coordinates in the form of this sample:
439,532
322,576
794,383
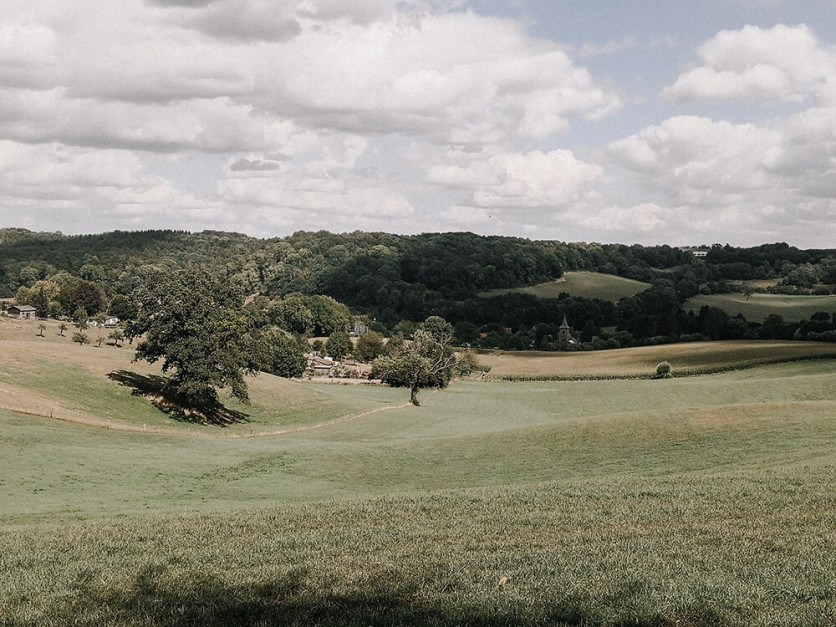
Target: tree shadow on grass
152,598
158,391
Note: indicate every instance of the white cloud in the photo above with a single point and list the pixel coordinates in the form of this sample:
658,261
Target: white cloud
535,179
756,181
786,62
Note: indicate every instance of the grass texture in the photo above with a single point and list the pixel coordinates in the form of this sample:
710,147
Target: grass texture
689,501
758,306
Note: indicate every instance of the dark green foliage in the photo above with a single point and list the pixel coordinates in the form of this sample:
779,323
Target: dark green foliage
338,345
195,324
81,338
663,370
80,318
369,346
285,356
392,278
427,361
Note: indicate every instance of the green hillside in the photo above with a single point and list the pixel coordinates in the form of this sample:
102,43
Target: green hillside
702,500
584,284
759,306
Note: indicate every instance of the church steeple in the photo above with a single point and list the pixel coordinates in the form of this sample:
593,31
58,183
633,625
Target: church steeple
564,334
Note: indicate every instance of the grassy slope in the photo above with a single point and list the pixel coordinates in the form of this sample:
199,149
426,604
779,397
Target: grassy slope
759,306
52,376
585,284
705,500
702,500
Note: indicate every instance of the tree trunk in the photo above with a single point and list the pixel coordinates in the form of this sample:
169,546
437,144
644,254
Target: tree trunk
414,397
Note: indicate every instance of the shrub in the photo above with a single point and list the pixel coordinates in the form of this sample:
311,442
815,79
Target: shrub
663,370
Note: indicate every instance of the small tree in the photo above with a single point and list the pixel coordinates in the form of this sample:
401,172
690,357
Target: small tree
81,338
117,336
338,345
41,329
80,318
427,361
663,370
61,328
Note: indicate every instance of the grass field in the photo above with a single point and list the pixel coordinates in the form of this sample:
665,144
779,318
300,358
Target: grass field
585,284
641,361
759,306
693,501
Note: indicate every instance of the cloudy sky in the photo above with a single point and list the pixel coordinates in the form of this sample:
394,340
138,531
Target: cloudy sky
657,121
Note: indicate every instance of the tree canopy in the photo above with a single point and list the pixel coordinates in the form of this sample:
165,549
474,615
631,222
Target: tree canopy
426,361
194,323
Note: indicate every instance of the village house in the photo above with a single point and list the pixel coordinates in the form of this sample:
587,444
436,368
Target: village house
321,365
22,312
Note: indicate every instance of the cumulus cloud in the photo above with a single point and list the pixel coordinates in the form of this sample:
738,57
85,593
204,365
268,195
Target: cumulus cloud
270,116
536,179
787,62
761,181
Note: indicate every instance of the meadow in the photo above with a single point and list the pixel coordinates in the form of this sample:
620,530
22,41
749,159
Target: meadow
758,306
692,501
583,284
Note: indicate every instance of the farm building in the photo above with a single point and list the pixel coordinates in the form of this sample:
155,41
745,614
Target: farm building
23,312
321,365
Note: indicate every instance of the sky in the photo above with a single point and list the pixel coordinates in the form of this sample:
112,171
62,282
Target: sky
650,122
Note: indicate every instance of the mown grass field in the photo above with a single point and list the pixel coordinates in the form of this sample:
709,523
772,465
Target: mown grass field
693,501
585,284
51,376
759,306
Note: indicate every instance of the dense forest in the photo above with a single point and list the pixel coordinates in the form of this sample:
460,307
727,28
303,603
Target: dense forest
389,282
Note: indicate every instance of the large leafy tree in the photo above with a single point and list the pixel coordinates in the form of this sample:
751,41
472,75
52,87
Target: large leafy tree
195,324
427,361
285,355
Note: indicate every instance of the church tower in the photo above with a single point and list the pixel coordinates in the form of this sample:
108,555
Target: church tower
564,334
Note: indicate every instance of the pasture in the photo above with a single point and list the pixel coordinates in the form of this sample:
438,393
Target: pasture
759,306
691,501
585,284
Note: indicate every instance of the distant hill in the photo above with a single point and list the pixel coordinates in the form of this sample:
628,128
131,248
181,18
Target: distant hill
584,284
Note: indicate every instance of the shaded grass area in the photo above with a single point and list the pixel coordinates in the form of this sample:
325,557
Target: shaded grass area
758,306
583,284
737,548
157,390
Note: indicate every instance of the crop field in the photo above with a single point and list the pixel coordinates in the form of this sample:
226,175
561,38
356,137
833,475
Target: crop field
693,501
685,358
585,284
759,306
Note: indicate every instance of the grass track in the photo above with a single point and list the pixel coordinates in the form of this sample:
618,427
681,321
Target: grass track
585,284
